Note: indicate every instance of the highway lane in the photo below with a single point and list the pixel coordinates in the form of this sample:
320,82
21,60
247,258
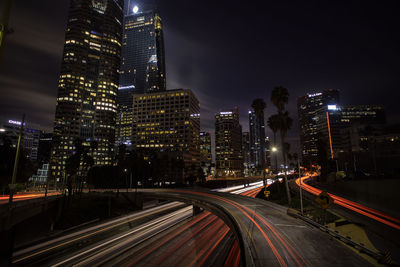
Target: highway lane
270,236
68,244
201,241
353,206
26,196
71,242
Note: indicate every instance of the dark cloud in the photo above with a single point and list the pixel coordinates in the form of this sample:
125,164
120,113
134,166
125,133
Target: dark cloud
228,53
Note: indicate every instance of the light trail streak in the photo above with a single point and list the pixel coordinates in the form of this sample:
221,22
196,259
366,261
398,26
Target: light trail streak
354,206
182,243
175,234
237,205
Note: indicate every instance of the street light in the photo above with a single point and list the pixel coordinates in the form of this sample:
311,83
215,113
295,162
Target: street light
274,149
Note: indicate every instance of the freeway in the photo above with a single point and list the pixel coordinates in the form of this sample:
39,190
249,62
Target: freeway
259,233
268,235
97,243
353,206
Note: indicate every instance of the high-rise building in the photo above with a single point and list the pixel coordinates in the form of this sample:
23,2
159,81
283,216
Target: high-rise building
9,130
257,140
168,121
307,106
228,144
205,152
142,65
333,123
246,152
88,84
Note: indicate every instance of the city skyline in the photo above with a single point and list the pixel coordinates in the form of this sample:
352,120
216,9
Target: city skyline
296,66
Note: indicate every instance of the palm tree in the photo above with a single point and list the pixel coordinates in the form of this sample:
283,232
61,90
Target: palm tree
258,106
285,123
273,124
280,97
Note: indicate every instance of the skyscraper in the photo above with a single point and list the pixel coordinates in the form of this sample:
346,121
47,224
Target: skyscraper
228,144
205,152
257,140
307,107
142,65
87,90
246,152
168,121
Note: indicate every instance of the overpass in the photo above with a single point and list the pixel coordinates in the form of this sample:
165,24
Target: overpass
266,235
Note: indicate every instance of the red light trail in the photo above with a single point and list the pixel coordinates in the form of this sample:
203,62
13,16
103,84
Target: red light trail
354,206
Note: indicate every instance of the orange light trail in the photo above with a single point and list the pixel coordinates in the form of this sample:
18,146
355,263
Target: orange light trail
329,133
354,206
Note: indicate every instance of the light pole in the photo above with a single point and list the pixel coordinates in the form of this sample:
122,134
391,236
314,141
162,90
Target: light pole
274,149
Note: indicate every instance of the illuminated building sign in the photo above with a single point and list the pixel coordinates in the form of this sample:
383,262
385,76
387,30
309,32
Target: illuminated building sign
332,107
313,95
226,113
15,122
126,87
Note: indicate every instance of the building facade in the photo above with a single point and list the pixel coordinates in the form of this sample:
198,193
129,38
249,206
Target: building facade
257,140
205,152
88,84
142,65
307,106
168,121
228,144
9,130
334,123
246,153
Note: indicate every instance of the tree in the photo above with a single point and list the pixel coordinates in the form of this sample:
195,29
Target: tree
259,106
284,126
273,124
280,97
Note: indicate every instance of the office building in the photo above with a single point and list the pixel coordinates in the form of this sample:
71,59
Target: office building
142,65
168,121
228,144
333,123
88,84
10,130
307,106
205,152
44,149
246,153
257,140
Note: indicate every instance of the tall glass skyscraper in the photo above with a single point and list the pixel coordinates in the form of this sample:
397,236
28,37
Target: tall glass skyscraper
257,140
307,106
142,65
88,83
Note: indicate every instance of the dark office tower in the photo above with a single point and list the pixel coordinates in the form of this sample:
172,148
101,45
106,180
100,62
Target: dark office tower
307,107
142,65
246,152
205,152
228,144
257,140
88,84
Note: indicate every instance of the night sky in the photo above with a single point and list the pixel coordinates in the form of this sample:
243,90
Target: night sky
228,53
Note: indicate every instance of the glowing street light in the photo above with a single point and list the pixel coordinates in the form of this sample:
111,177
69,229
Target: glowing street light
135,9
274,149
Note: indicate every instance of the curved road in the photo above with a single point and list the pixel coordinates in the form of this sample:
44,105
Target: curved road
268,236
